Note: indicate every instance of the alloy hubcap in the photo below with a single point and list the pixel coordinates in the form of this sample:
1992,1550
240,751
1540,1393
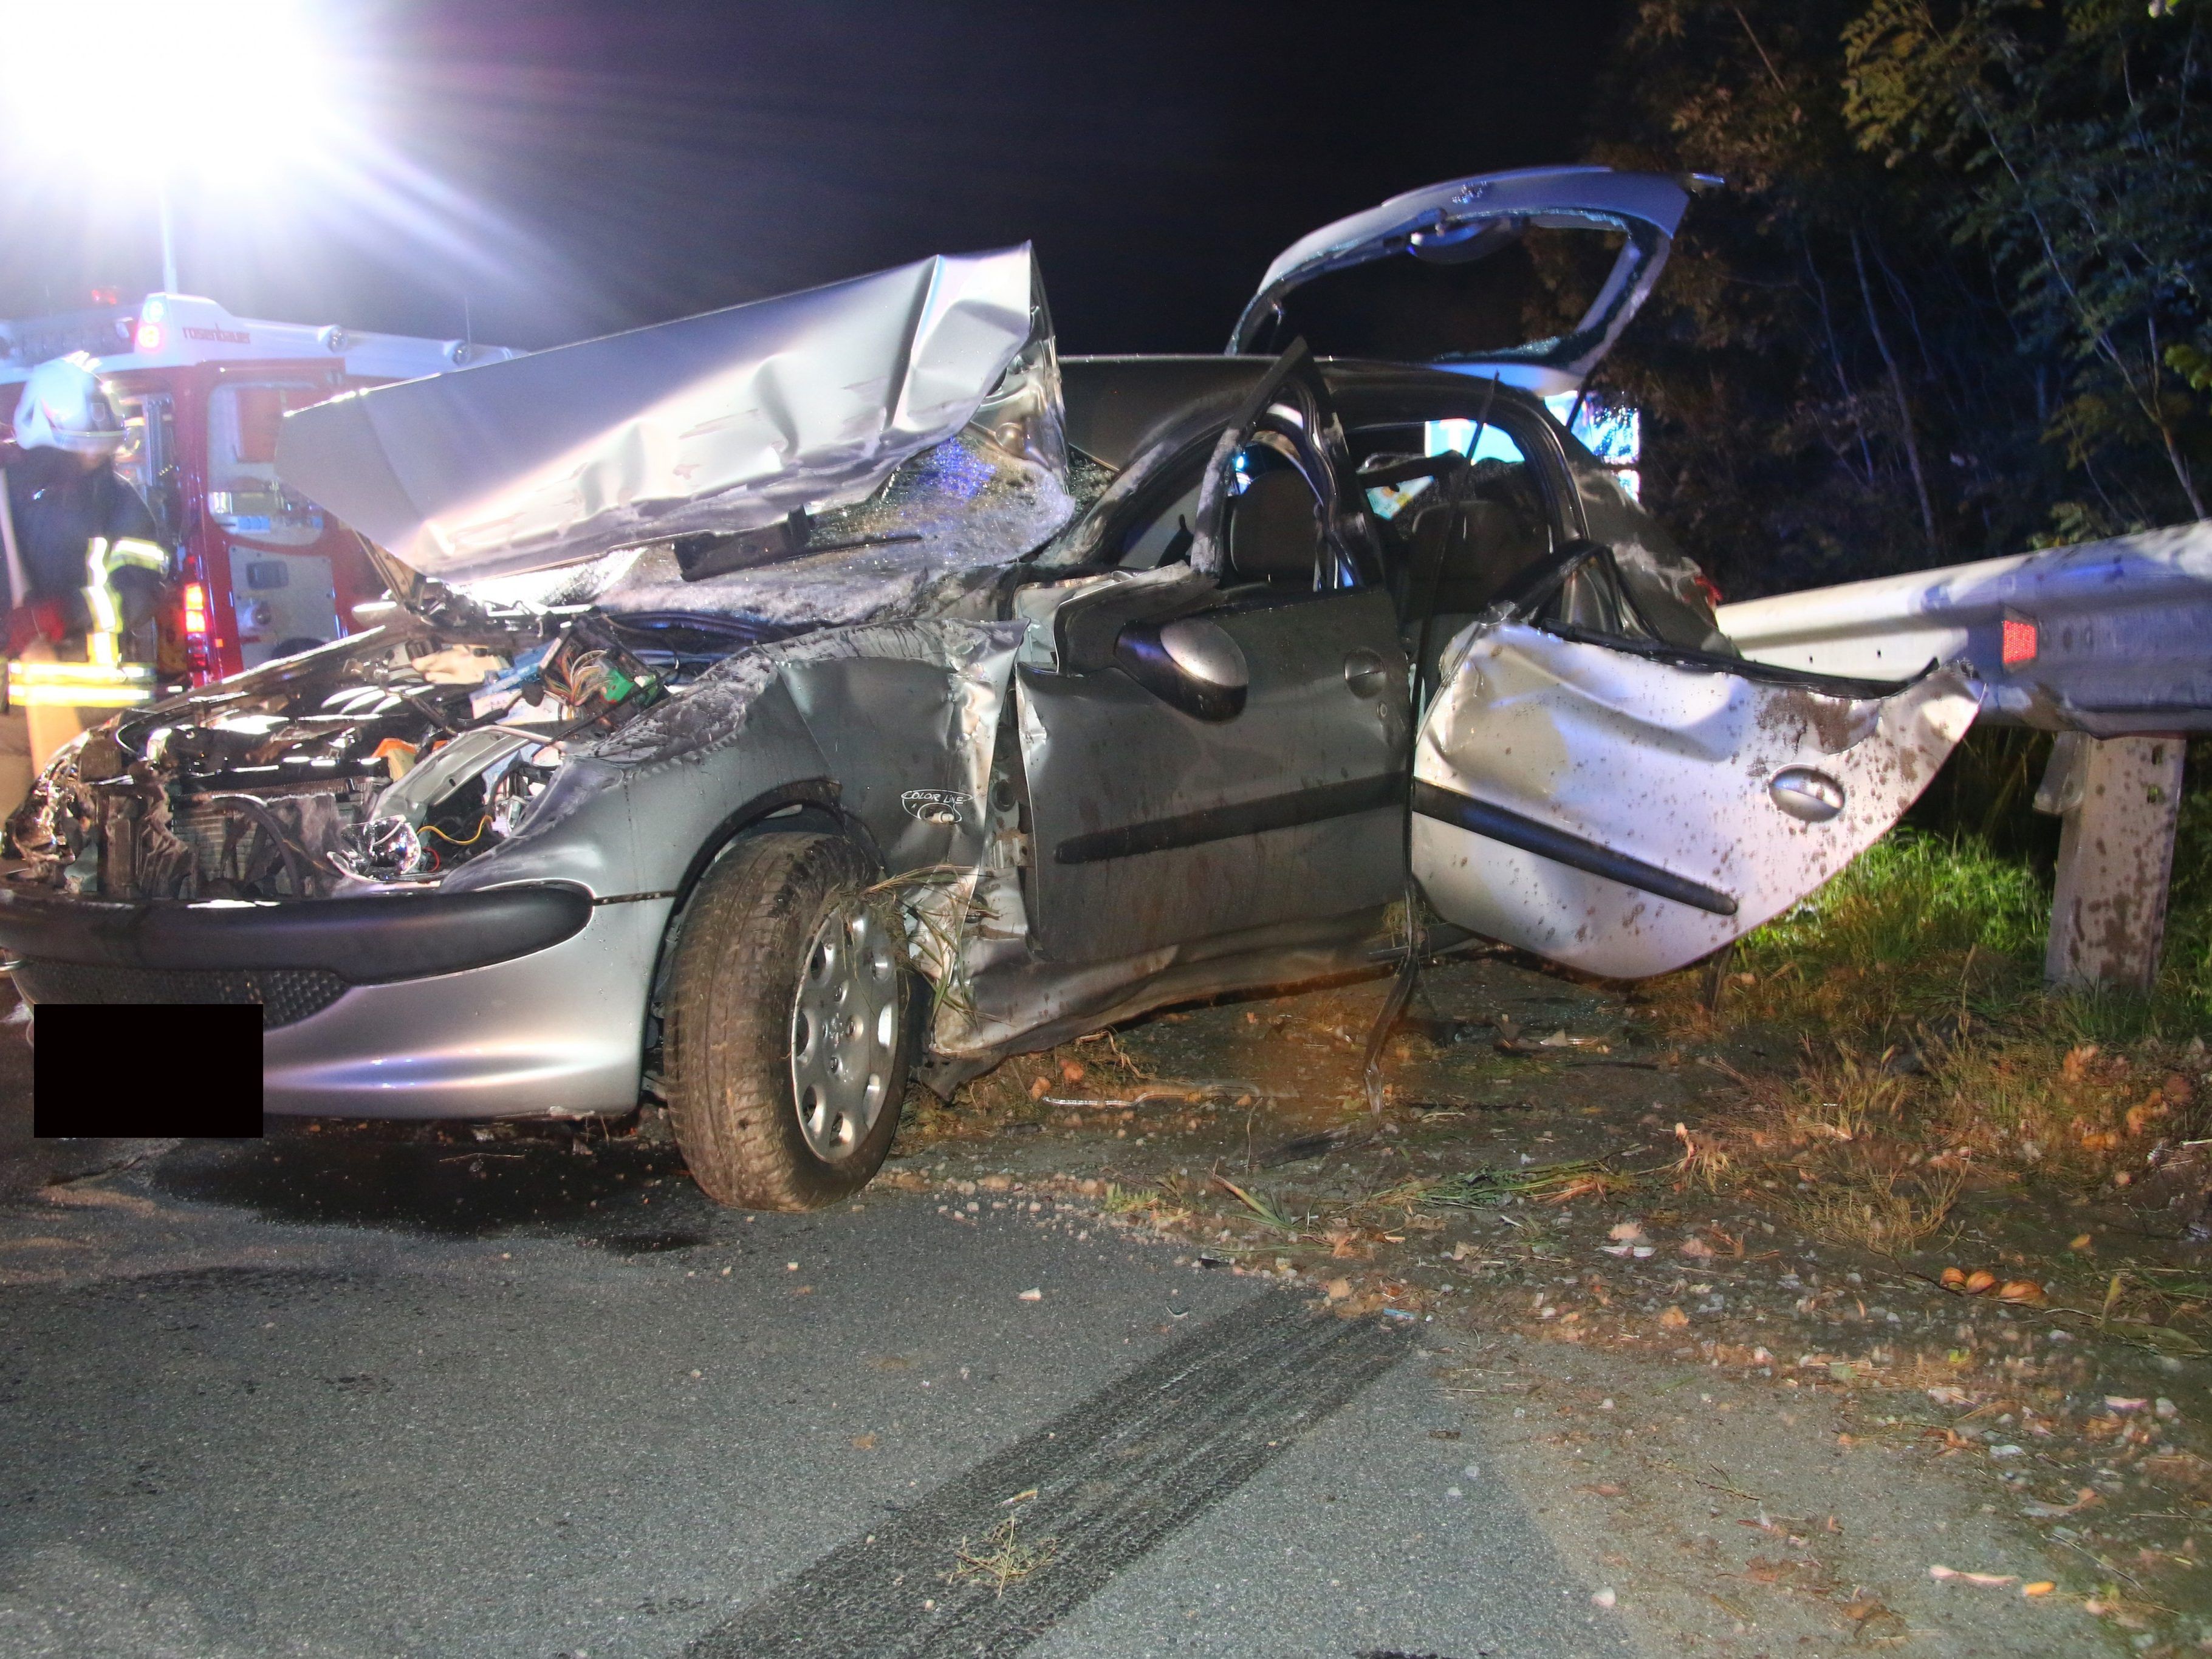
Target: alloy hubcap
844,1032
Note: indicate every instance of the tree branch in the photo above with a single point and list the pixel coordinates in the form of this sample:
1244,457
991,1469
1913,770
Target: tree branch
1896,387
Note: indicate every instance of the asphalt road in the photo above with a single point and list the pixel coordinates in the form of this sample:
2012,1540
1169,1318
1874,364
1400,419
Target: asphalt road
341,1396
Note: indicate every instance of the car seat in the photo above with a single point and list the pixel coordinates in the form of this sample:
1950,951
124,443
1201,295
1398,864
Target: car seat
1275,532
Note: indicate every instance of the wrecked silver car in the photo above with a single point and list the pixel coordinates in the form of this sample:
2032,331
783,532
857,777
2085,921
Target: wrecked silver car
777,703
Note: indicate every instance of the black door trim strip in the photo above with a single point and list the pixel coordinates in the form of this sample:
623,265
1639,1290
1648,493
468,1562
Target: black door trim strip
1449,807
1284,811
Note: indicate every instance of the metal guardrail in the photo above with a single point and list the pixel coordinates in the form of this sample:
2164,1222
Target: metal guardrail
2112,638
2107,643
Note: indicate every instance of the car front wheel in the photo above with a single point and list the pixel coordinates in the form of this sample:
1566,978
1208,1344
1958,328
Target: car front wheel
787,1039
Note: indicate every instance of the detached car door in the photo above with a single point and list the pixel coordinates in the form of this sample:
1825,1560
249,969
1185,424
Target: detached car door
1625,807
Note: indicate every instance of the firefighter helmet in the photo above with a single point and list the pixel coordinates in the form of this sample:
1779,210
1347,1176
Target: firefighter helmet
65,407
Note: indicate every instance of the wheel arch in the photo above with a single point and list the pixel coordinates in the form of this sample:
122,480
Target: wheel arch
804,804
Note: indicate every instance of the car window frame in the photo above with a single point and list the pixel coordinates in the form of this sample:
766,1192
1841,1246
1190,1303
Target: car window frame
1156,494
1545,458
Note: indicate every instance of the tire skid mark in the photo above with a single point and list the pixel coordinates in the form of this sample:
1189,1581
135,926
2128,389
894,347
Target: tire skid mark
1114,1476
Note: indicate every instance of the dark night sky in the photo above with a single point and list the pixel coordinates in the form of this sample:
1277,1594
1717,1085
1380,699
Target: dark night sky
577,168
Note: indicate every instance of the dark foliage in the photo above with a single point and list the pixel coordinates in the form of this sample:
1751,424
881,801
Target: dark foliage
1952,303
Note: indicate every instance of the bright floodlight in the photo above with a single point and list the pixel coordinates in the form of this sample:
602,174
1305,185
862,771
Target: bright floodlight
226,91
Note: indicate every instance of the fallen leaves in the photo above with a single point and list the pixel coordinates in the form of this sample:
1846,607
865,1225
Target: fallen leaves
2084,1498
1673,1319
1786,1571
2184,1470
1873,1617
2021,1293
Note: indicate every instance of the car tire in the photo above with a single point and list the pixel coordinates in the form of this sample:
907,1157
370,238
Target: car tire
785,1037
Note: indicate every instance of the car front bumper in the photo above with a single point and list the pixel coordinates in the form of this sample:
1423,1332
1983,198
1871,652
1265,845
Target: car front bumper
512,1001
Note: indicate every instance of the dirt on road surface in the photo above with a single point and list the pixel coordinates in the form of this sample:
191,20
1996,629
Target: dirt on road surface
1760,1434
1738,1428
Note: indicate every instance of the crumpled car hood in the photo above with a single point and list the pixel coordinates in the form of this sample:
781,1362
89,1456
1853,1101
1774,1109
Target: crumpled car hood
722,423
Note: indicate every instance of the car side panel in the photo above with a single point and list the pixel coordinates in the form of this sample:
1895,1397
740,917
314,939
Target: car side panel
893,733
1103,757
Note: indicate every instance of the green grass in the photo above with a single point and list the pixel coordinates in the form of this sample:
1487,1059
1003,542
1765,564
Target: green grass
1928,921
1926,1039
1911,894
2186,973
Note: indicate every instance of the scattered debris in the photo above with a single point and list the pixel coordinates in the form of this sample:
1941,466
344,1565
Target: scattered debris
1001,1559
1739,1216
1983,1580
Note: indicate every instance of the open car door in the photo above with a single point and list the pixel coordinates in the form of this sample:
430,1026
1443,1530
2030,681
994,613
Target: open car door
1476,220
1625,807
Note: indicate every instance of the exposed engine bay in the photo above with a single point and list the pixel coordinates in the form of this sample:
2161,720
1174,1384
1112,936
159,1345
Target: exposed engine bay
395,755
391,756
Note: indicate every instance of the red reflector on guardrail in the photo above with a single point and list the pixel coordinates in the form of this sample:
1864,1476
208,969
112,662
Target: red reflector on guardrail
2019,641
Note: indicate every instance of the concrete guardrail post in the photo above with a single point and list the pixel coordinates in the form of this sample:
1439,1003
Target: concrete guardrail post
2119,801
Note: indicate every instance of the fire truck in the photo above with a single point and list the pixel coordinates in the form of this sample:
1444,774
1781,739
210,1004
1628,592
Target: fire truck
258,573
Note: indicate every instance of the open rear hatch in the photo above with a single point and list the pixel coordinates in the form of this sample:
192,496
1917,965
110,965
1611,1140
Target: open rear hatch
1458,296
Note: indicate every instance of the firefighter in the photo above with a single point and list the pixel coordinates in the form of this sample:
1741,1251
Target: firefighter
84,571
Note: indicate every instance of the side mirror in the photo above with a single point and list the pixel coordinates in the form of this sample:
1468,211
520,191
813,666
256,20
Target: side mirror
1192,665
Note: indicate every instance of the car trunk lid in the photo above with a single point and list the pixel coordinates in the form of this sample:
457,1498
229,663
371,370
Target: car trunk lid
1467,222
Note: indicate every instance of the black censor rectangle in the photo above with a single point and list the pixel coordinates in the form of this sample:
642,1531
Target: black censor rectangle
136,1068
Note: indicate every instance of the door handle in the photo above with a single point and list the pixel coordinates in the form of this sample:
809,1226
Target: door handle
1364,673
